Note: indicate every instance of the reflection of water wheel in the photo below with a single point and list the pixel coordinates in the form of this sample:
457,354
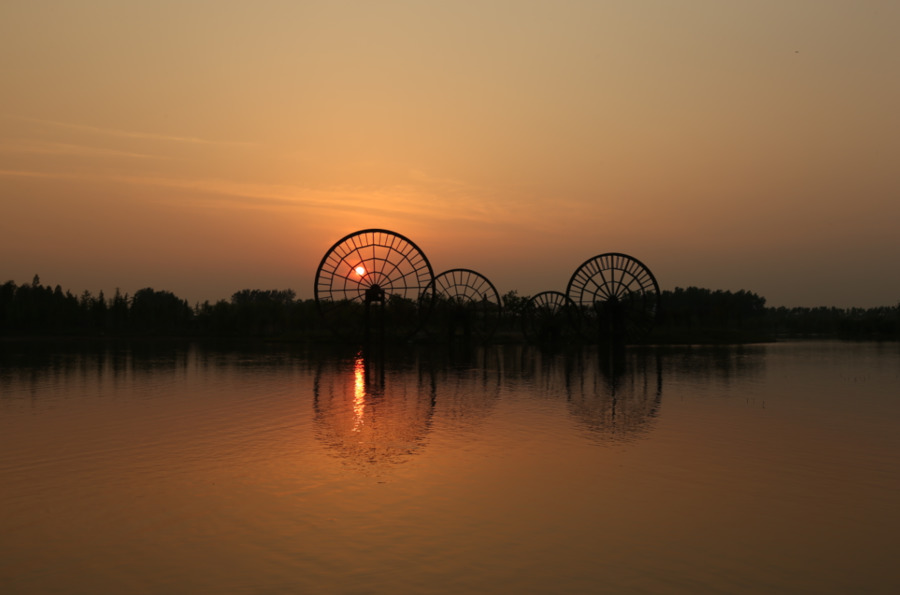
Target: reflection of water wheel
369,274
549,317
618,295
464,302
618,401
466,385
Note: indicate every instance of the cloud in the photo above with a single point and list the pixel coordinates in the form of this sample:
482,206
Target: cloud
409,201
421,197
50,148
10,173
130,134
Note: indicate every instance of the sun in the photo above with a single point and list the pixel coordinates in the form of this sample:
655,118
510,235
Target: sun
360,270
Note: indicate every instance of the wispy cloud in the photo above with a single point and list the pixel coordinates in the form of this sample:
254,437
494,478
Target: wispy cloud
13,173
129,134
424,199
407,201
416,202
52,148
446,202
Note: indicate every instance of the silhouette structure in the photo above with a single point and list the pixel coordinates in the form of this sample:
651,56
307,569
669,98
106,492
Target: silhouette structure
379,279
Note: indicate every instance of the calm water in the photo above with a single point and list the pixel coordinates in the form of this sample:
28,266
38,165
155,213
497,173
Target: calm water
756,469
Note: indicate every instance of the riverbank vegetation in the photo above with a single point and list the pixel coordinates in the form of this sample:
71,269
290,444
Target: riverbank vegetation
687,315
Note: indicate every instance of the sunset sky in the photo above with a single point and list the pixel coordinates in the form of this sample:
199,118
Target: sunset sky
204,147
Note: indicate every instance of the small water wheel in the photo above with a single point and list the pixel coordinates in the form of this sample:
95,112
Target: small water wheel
465,303
617,296
549,317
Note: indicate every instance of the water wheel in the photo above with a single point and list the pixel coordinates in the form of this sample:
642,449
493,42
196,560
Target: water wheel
617,296
465,304
549,317
373,279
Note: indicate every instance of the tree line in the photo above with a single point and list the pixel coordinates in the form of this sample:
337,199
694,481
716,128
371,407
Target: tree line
35,309
686,315
718,315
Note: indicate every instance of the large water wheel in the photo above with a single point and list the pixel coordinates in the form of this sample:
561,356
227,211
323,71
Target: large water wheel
617,296
373,280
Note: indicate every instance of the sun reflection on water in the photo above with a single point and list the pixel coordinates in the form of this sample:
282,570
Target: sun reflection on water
359,392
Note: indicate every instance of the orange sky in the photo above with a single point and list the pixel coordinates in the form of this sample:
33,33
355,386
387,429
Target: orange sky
208,147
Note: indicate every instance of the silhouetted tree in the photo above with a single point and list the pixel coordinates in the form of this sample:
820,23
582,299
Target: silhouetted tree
262,312
118,313
159,312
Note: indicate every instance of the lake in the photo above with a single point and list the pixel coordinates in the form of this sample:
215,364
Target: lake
155,468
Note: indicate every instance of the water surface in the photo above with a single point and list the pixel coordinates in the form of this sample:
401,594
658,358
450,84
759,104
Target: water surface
179,469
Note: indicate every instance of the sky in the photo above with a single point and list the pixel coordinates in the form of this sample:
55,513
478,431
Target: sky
204,147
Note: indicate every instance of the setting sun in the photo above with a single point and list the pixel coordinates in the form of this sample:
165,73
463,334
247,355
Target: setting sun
360,270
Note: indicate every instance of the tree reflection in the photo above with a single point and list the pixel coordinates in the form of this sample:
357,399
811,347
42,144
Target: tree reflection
722,363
